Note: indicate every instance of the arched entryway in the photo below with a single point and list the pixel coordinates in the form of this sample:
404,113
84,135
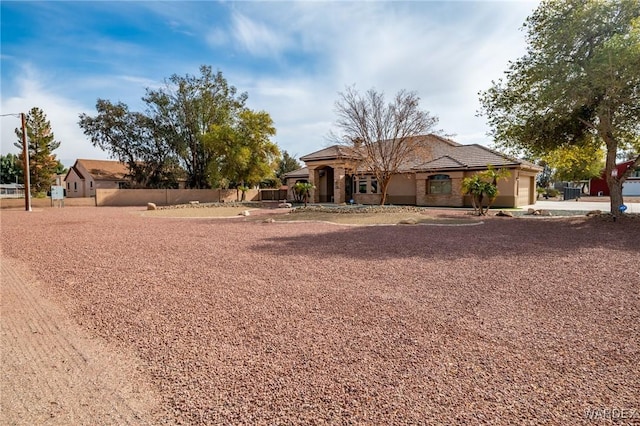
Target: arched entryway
325,184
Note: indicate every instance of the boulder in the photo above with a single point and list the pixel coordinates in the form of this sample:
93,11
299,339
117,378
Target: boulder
545,213
531,211
504,214
151,206
194,203
245,213
269,220
285,205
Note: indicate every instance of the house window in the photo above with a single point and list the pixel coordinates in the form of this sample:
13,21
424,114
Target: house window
374,185
362,185
91,184
439,184
75,186
68,185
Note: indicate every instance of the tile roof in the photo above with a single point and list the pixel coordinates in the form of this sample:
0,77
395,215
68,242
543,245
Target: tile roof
300,173
334,151
103,169
431,152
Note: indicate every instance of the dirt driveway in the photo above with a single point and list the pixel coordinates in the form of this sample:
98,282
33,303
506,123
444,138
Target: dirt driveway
110,317
53,372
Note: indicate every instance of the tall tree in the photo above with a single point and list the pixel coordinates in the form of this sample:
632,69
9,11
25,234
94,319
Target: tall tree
11,169
186,109
244,152
576,163
286,164
132,138
380,133
579,79
41,143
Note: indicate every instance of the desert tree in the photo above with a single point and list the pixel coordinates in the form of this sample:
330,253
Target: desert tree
286,164
11,169
40,144
381,134
133,139
579,80
186,109
243,150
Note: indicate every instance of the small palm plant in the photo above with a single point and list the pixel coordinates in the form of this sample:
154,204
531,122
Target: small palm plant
483,186
303,191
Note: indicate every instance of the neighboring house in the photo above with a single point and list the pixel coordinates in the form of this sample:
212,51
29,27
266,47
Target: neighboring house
432,177
630,187
11,190
85,176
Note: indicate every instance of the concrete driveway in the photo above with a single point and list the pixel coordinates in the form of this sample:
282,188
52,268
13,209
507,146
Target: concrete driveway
584,204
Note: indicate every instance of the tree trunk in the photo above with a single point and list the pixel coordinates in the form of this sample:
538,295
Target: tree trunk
613,182
384,185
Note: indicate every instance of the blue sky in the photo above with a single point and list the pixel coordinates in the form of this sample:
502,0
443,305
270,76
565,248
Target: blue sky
292,58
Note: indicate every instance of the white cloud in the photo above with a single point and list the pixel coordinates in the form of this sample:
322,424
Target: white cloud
61,112
447,58
257,38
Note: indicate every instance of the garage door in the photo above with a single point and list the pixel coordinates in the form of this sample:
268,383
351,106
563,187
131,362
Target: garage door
631,188
524,188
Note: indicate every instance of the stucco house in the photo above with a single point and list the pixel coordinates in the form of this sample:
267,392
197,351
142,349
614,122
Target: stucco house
85,176
431,177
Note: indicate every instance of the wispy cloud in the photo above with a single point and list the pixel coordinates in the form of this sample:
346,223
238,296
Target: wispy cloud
257,38
291,57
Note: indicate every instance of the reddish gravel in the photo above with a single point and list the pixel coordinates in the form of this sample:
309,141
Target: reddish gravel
514,321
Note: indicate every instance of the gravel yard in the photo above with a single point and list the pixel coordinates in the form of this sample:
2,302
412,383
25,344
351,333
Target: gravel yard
236,321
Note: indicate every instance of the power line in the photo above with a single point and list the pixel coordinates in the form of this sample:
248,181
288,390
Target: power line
18,115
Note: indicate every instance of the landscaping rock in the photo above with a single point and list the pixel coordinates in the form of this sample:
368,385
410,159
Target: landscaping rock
151,206
285,205
269,220
504,214
245,213
194,203
594,213
531,211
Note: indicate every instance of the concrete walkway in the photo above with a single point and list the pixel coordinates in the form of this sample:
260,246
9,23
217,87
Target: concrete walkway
580,205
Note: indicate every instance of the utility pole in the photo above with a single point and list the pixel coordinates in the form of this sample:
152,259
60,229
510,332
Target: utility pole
25,157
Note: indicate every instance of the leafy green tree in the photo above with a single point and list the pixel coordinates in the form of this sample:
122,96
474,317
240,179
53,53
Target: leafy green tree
186,110
11,169
380,133
286,164
41,143
483,188
243,150
580,79
576,163
133,139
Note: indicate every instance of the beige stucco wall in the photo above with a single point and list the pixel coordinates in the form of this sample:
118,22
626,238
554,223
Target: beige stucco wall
517,190
74,185
38,203
163,197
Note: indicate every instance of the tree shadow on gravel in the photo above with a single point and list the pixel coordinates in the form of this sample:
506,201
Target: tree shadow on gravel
496,237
